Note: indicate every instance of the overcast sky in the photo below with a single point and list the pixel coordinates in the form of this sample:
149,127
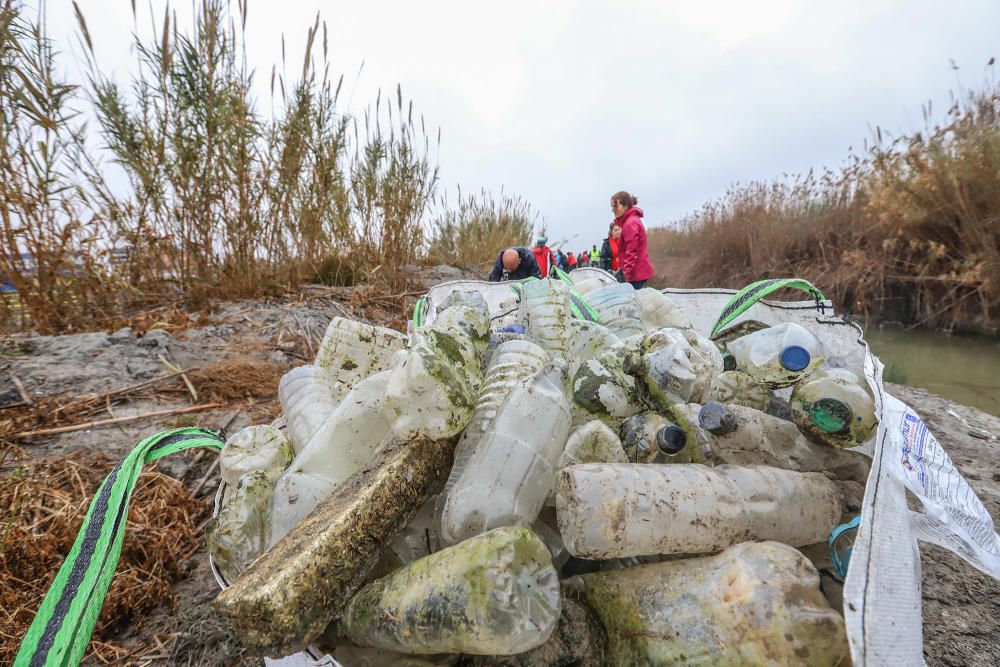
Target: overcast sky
565,103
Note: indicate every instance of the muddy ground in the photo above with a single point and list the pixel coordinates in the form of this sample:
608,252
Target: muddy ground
961,605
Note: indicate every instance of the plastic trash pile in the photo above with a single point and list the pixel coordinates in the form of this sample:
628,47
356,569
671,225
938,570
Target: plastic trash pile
539,488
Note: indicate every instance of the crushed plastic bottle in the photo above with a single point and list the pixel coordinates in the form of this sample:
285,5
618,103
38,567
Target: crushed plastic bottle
626,509
432,390
240,531
545,313
834,406
659,311
778,356
494,594
594,442
603,389
308,395
254,448
352,350
585,341
649,437
738,388
513,466
618,309
757,603
672,370
744,436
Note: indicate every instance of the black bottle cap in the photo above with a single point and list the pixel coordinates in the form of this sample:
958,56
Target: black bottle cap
716,419
671,439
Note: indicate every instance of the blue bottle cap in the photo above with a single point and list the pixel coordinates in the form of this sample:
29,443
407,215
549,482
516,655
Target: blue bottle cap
794,358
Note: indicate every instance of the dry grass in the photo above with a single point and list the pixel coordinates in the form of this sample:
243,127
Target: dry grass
237,379
909,231
43,504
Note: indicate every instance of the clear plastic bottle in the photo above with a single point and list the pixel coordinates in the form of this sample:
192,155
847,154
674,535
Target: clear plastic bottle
660,311
674,371
589,285
627,509
514,464
352,350
253,448
545,312
618,309
738,388
756,603
585,341
594,442
649,437
308,395
834,406
778,356
602,387
240,531
744,436
494,594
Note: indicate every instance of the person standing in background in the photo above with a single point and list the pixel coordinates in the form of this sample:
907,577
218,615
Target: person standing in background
609,250
543,256
633,247
571,258
595,256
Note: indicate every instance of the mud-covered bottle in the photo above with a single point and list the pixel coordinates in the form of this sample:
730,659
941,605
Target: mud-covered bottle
603,388
351,351
778,356
308,395
834,406
649,437
493,594
756,603
626,509
672,369
545,313
263,447
738,388
618,309
513,466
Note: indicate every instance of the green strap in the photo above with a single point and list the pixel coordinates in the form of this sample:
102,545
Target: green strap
61,630
419,311
753,293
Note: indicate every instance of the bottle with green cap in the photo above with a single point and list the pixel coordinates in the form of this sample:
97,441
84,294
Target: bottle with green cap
649,437
834,406
778,356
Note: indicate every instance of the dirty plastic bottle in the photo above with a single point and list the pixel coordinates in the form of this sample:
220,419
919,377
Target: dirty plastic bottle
618,309
432,390
494,594
660,311
508,313
420,537
253,448
512,365
604,389
594,442
834,406
240,531
466,298
352,350
672,370
545,312
778,356
738,388
589,285
585,341
756,603
627,509
514,464
745,436
308,395
649,437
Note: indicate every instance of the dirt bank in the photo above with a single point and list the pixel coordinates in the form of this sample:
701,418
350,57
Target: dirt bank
261,340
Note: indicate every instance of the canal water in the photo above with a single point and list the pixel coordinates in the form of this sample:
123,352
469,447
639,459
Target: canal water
964,369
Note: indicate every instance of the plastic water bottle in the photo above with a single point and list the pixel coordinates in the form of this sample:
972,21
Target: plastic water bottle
308,395
660,311
513,364
264,448
432,390
756,603
834,406
738,388
240,532
618,309
545,312
514,464
585,341
593,442
778,356
675,371
420,537
589,285
352,350
649,437
603,388
745,436
626,509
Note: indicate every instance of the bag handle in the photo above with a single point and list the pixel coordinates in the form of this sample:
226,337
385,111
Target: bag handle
754,292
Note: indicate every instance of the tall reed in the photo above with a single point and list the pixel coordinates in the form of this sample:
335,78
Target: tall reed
478,227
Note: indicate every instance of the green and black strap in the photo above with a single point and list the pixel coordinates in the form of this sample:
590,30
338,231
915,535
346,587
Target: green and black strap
61,630
754,292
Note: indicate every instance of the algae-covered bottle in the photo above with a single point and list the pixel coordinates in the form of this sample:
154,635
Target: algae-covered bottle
308,395
603,388
240,532
618,309
494,594
649,437
778,356
626,509
671,370
756,603
513,466
545,312
744,436
263,447
594,442
585,341
834,406
352,350
739,388
660,311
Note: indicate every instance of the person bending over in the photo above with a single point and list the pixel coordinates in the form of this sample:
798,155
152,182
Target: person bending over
515,264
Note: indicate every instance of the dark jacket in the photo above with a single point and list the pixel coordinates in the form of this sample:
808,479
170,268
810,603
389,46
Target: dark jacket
527,268
606,257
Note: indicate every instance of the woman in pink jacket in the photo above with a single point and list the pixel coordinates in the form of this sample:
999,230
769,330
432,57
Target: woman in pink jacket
633,250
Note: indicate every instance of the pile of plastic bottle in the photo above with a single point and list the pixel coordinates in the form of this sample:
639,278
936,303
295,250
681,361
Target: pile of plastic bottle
624,490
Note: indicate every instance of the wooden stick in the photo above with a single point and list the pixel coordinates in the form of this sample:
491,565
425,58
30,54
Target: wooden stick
201,482
117,420
25,396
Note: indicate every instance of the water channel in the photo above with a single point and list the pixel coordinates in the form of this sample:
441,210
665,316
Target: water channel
964,369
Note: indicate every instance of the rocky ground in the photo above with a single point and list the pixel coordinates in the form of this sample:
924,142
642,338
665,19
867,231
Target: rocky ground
234,357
